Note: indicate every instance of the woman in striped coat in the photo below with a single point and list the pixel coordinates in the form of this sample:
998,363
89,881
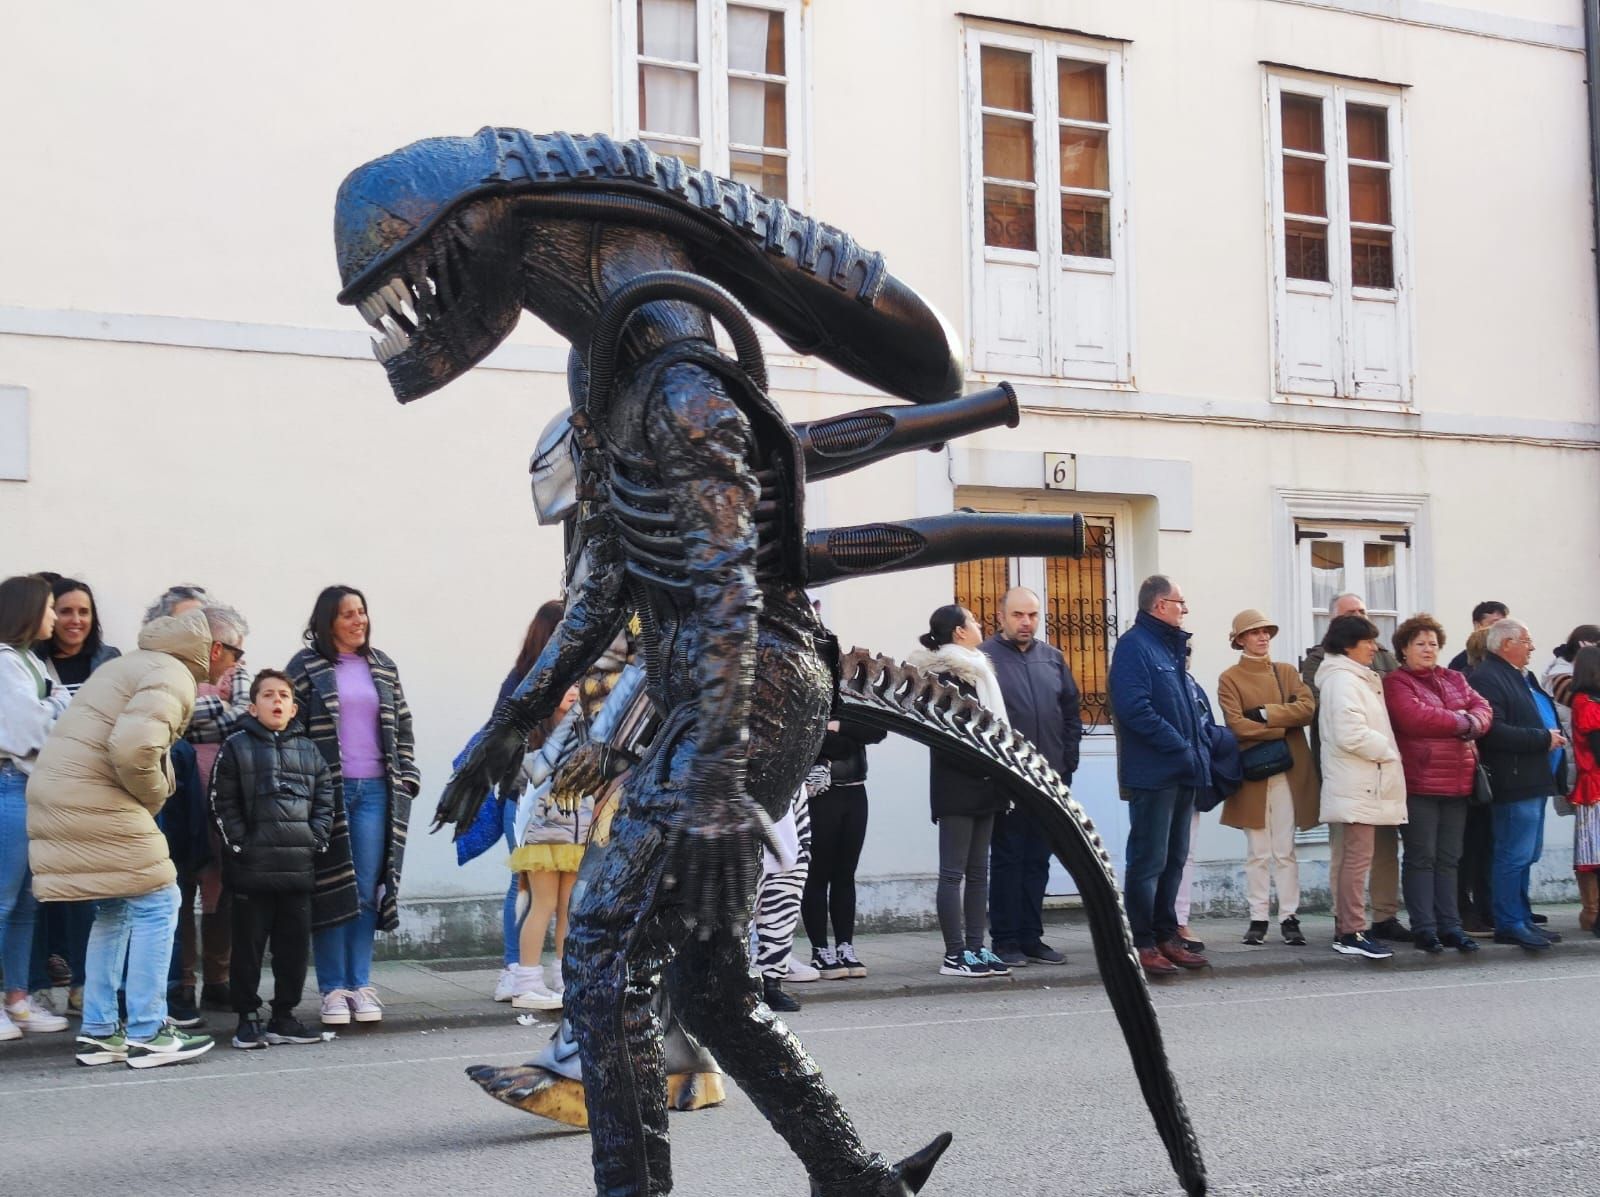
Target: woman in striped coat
353,708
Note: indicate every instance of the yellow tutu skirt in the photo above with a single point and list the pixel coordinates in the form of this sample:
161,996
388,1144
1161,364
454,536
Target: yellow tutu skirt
547,858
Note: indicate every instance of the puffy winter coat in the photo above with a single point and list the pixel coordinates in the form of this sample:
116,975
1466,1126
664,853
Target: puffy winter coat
1585,731
1436,716
105,772
1362,779
953,788
1160,740
272,799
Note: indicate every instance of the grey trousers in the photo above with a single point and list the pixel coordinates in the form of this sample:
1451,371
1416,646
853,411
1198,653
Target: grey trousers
1433,840
963,856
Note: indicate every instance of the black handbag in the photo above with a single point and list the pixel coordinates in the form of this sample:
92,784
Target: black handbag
1482,788
1262,761
1271,757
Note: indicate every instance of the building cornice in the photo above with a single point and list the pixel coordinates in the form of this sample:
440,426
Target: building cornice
803,376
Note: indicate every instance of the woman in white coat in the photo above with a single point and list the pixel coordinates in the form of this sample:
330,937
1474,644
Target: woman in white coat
1363,784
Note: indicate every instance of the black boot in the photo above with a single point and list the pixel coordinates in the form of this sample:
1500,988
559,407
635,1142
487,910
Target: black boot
777,1000
907,1177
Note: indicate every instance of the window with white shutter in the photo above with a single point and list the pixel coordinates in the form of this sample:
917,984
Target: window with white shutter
1337,185
713,82
1046,145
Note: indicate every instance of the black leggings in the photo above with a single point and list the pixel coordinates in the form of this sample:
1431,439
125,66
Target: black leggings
838,829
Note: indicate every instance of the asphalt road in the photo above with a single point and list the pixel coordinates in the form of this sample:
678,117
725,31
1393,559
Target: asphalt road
1472,1080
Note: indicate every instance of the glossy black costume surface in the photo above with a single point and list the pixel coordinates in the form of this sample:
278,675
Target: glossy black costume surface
691,489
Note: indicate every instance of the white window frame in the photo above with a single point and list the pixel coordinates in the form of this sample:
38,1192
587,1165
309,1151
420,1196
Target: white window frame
711,40
1291,561
1055,358
1345,383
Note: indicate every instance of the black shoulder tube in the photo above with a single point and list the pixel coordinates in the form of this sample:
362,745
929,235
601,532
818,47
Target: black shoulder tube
840,444
834,553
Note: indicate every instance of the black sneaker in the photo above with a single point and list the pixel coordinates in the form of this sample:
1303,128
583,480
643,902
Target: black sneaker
1256,933
777,1000
964,964
1459,940
249,1035
845,953
827,964
1042,953
1011,957
996,966
1427,941
1391,929
286,1028
1292,935
181,1010
1357,944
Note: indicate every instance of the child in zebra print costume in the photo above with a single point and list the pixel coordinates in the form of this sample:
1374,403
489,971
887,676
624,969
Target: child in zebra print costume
777,910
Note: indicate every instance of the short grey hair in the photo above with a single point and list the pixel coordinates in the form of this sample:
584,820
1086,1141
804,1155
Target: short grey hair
1502,632
183,592
1152,590
227,625
1344,594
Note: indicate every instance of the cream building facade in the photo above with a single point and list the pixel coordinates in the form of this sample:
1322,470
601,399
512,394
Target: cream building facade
1298,296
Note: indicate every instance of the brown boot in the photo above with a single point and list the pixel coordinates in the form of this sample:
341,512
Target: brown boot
1589,895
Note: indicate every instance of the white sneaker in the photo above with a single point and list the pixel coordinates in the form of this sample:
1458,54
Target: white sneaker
553,980
531,991
505,986
336,1008
365,1006
8,1029
797,969
33,1018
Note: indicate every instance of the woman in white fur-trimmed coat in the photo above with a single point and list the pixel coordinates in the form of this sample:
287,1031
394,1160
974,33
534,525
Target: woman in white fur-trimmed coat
964,802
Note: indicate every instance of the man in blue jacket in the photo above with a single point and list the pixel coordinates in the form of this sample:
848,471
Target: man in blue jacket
1163,764
1042,703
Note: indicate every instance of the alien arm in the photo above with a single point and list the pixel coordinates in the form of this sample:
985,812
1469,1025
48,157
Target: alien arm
702,444
594,615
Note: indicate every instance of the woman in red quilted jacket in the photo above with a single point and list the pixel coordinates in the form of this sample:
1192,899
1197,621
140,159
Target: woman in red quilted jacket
1585,796
1436,717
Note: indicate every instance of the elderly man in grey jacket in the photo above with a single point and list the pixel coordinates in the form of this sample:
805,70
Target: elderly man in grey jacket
1042,702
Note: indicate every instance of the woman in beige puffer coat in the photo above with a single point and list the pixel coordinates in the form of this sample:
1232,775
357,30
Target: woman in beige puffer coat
1363,784
104,774
101,779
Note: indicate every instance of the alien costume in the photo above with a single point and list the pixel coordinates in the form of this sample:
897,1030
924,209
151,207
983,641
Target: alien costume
691,484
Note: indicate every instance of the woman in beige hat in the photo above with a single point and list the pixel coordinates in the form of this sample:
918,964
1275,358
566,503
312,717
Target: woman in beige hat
1266,705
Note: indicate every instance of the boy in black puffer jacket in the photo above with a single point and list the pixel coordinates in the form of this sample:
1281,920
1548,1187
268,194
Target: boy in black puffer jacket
272,798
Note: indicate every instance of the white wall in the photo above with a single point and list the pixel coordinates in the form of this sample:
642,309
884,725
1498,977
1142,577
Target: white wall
200,410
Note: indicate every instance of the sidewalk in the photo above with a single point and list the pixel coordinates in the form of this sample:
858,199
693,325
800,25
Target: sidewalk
423,997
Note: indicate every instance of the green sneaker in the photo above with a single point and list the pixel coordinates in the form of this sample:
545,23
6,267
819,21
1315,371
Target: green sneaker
102,1049
169,1045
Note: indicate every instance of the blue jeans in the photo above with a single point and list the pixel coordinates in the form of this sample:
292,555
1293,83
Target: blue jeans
1019,870
133,934
344,951
1517,827
1158,846
17,906
510,925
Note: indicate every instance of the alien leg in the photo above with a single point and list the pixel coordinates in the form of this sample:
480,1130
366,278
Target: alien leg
620,938
721,1005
